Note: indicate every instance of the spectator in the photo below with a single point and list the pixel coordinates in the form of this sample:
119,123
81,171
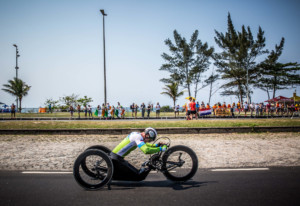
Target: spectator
188,109
13,111
143,108
268,108
252,108
85,111
232,108
132,109
157,107
50,109
148,110
90,111
202,105
197,108
261,108
277,108
238,105
122,112
118,110
246,108
78,110
98,113
193,109
256,109
107,111
135,110
176,110
71,110
103,110
112,112
214,109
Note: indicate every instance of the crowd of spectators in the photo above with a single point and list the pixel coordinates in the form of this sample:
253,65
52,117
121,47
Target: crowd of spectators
192,110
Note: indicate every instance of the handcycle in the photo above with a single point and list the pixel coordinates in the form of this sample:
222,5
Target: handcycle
97,166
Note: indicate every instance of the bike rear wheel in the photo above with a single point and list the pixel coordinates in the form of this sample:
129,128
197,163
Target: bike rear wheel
180,163
96,161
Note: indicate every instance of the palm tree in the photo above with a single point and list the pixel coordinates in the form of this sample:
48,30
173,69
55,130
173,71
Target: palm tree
171,90
17,88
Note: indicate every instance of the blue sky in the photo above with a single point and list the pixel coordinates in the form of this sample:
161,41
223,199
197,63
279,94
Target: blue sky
61,45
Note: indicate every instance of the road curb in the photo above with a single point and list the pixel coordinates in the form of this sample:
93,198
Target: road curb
183,130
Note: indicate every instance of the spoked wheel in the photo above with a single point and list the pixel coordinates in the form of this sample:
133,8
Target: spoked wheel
83,163
180,163
99,163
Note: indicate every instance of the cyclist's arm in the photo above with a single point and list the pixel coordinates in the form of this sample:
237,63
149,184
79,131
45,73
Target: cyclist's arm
151,145
148,149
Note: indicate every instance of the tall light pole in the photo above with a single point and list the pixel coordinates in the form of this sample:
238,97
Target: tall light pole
104,14
17,56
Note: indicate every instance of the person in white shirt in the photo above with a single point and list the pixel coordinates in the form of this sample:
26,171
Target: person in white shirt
157,107
246,108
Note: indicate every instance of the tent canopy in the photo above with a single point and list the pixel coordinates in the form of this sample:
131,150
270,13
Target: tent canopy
296,98
280,99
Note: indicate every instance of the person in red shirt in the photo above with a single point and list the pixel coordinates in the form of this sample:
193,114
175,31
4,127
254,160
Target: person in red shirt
193,109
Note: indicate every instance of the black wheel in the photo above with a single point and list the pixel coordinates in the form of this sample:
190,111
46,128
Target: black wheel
180,163
99,163
83,164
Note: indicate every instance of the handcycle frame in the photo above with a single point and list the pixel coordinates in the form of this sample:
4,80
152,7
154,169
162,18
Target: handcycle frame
124,171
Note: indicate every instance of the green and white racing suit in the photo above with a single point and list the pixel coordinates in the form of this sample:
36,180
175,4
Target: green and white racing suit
131,142
123,170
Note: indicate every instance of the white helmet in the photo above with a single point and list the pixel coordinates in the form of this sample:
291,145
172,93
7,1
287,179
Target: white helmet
151,132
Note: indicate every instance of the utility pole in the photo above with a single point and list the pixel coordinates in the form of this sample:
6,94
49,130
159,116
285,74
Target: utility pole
17,68
103,14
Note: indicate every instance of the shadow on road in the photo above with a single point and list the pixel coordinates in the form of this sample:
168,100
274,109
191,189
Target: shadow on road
127,185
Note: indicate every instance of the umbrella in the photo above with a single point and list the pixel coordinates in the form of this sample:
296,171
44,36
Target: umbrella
190,97
280,99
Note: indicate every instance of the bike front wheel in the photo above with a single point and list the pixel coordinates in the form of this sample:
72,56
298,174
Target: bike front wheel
180,163
99,163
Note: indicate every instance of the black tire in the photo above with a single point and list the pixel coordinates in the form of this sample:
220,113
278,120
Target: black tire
100,147
178,168
95,160
83,164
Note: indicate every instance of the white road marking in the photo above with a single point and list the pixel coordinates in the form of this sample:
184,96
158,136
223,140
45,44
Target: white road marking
239,169
43,172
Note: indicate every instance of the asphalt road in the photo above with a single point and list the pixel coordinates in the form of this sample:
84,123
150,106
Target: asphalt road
276,186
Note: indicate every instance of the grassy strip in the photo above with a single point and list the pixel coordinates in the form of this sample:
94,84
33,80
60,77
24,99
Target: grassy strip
144,124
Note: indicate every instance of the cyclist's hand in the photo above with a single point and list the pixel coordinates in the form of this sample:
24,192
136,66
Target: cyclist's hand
164,148
161,144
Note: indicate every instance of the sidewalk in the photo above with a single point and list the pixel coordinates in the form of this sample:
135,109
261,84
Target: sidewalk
58,152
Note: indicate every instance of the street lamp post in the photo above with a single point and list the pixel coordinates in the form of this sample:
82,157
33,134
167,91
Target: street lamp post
17,56
17,68
103,14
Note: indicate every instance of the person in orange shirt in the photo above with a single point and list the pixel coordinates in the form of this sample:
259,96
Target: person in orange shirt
277,108
207,106
193,109
224,105
214,109
238,105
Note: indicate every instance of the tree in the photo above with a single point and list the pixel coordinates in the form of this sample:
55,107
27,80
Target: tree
276,76
236,63
85,100
209,81
52,102
187,61
69,100
17,88
171,90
